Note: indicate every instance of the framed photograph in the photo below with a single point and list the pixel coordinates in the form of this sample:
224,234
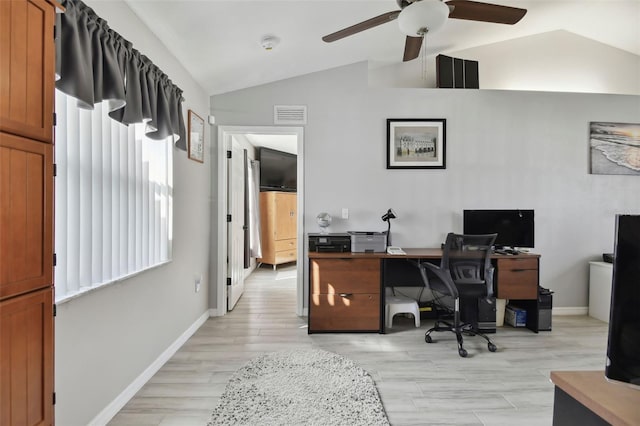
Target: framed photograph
416,143
615,148
196,137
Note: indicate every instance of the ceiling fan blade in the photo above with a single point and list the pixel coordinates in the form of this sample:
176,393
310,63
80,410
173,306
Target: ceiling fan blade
412,48
364,25
485,12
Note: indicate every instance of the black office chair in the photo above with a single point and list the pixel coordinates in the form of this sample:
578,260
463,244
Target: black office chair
465,275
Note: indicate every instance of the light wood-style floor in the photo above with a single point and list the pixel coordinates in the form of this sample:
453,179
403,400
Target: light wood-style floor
420,384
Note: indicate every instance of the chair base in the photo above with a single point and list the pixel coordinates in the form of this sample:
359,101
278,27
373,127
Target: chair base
464,329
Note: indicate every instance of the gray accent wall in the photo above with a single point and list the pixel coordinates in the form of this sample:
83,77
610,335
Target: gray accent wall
505,149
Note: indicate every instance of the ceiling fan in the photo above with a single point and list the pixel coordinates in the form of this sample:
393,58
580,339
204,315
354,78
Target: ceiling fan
418,17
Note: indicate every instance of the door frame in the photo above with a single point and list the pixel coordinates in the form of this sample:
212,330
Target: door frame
224,134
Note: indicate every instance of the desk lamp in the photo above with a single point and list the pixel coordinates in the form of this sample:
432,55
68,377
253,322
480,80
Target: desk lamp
390,214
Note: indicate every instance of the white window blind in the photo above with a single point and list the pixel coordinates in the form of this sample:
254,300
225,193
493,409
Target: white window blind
113,199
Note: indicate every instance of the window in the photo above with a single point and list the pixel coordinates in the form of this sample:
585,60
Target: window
113,199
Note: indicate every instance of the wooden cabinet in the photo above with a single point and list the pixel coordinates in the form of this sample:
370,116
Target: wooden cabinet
278,222
344,295
27,75
27,72
26,359
26,215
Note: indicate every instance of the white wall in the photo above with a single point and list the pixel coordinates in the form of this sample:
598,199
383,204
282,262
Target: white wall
556,61
105,339
505,149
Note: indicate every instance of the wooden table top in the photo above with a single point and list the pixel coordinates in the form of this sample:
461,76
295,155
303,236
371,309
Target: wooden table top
617,403
412,253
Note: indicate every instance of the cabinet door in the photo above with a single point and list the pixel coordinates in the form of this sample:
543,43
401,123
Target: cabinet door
26,215
286,217
27,71
26,359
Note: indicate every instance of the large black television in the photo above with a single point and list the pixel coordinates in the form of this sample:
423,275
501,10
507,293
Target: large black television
515,228
278,170
623,345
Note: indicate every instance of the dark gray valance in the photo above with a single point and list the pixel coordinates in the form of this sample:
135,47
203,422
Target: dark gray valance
96,64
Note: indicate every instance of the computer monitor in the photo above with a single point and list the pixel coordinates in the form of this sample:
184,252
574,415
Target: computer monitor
515,228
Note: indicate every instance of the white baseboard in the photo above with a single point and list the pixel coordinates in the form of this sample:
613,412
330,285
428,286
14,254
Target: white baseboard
214,313
121,400
576,310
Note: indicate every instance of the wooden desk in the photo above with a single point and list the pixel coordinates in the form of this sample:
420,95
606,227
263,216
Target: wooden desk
588,398
347,289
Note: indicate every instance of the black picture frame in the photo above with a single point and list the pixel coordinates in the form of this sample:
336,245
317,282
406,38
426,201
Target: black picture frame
416,143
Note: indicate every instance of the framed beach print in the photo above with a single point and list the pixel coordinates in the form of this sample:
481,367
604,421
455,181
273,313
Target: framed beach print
615,148
196,137
416,143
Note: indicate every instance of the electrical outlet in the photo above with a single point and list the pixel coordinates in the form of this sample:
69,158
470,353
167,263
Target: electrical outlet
345,213
198,281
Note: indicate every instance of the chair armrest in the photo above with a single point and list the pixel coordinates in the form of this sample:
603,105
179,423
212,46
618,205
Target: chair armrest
443,276
489,280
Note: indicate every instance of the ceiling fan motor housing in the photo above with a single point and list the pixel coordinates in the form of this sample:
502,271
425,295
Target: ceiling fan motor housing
422,16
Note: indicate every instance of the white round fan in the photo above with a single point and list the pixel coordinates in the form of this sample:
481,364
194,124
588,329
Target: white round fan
324,220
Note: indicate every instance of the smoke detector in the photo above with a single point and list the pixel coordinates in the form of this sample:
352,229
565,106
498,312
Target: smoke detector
269,42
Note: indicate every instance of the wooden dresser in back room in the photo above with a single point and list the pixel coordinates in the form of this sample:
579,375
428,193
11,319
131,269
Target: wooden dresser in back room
278,223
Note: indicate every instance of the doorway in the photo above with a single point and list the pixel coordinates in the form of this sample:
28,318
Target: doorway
224,247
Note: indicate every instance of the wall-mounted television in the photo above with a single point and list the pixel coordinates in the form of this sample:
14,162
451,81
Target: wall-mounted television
623,345
515,228
278,170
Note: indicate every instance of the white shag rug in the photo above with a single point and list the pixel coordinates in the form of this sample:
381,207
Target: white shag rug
300,387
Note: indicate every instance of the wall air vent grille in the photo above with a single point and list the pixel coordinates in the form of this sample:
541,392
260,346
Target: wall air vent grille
289,114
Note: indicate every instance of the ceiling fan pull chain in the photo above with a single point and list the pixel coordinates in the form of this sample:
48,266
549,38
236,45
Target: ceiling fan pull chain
424,57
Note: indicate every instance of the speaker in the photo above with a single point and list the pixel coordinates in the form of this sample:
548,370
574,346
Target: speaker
623,346
456,73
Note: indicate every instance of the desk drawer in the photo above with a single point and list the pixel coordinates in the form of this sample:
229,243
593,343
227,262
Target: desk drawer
517,263
289,244
518,284
355,276
352,312
286,256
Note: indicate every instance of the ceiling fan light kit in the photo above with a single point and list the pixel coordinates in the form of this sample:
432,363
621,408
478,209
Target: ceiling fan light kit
418,17
422,16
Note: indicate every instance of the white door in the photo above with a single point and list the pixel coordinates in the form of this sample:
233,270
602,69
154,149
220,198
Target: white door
235,231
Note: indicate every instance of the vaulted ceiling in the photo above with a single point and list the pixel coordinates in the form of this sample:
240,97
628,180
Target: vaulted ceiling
219,42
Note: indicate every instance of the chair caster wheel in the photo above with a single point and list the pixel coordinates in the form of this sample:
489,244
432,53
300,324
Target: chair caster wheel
462,352
428,339
492,347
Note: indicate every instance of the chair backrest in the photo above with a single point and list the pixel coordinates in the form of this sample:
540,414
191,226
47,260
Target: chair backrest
468,258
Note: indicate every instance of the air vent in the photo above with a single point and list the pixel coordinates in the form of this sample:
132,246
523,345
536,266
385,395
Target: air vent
289,114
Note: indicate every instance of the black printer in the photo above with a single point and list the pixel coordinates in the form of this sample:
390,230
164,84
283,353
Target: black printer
336,243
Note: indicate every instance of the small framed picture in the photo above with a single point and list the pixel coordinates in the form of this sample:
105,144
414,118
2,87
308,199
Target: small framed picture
196,137
416,143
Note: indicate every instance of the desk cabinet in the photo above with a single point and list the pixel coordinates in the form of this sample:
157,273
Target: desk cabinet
517,278
345,295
